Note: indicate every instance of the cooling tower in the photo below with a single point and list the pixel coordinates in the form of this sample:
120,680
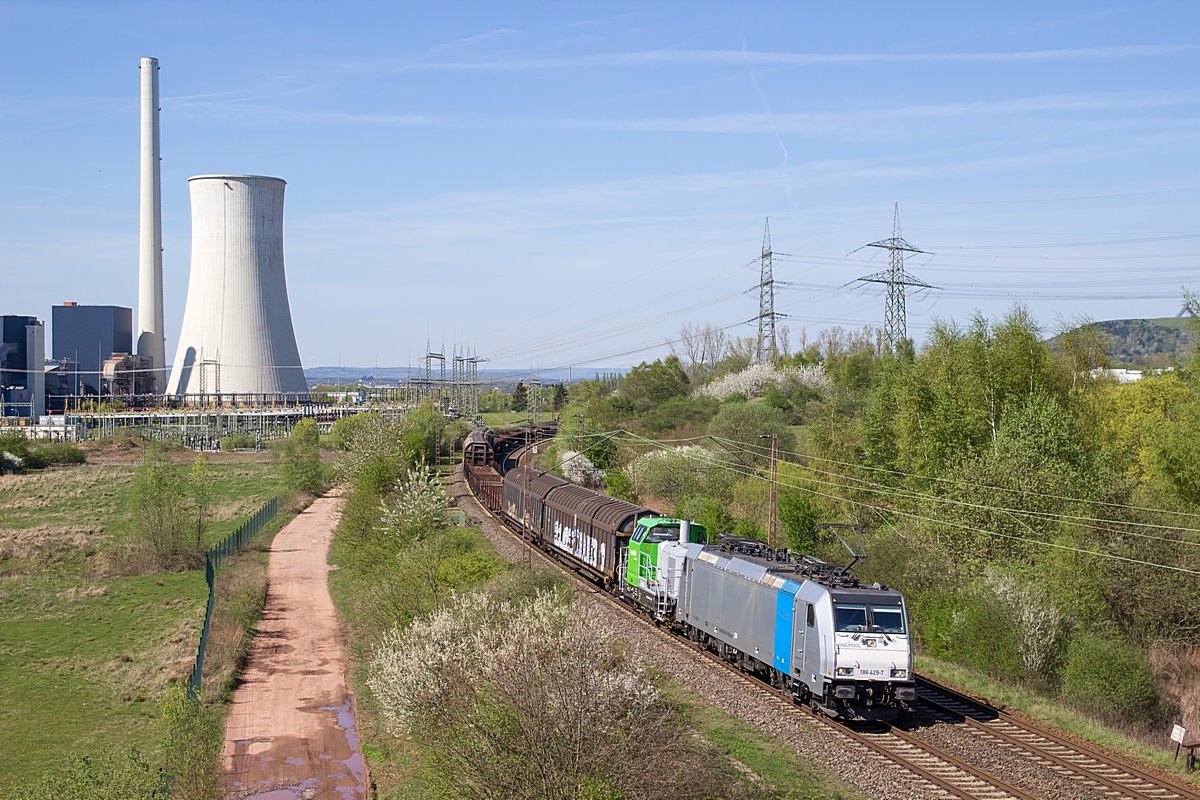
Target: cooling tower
237,335
150,336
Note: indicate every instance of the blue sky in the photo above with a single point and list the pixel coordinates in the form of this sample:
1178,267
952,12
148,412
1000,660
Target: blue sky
567,183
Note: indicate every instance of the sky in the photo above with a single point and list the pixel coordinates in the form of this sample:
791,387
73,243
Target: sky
566,184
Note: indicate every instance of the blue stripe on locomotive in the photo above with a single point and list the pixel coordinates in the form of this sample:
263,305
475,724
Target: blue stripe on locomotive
785,612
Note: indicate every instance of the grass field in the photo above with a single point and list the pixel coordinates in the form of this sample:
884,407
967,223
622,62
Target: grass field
81,663
69,520
85,651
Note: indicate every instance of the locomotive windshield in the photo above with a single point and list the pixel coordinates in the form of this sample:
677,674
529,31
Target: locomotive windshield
887,619
851,618
663,533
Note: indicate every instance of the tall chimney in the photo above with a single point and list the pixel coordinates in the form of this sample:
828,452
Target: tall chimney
150,339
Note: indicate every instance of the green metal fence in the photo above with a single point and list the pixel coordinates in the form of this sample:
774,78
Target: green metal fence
212,559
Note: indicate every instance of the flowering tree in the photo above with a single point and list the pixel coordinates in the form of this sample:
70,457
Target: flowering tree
530,700
757,378
416,510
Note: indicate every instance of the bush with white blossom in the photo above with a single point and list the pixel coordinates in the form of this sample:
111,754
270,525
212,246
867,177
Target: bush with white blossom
417,508
533,700
757,378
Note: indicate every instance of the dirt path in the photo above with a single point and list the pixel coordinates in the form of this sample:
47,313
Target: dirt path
290,733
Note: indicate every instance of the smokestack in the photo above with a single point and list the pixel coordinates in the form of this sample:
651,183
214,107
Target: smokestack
150,339
685,531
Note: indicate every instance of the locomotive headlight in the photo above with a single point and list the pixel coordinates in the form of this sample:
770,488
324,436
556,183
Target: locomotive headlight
844,671
899,673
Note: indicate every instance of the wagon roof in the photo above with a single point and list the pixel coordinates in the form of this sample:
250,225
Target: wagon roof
540,483
479,436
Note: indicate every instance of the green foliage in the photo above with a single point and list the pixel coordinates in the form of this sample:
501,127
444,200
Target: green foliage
520,397
302,457
112,775
160,511
34,454
621,486
708,511
192,735
777,399
345,429
971,628
798,516
750,528
745,424
1111,678
656,382
673,474
735,397
559,400
201,489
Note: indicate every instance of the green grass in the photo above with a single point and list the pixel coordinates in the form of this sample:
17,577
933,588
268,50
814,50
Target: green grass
81,663
783,772
1052,711
500,419
84,654
65,520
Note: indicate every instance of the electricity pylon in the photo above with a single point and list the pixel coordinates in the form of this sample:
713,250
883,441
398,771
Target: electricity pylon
766,301
895,325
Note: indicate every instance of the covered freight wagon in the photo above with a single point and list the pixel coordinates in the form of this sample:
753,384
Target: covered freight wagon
590,527
523,509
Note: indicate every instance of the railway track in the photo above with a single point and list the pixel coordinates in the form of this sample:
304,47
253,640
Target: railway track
1091,772
1109,774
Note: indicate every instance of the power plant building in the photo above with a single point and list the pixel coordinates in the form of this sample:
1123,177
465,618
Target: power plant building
88,336
237,335
22,366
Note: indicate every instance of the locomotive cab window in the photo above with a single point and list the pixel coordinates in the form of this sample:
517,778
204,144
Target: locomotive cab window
639,534
887,619
812,615
850,619
663,533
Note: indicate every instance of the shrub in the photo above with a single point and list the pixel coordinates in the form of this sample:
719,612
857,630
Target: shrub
743,425
160,511
621,486
709,512
971,628
108,776
531,700
302,457
798,516
1110,678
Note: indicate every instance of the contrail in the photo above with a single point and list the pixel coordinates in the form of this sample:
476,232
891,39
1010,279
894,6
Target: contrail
767,107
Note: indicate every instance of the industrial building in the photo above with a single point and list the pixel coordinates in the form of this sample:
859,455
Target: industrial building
237,336
22,365
85,337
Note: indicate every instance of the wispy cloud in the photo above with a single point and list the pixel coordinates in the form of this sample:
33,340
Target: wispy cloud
691,57
826,122
475,39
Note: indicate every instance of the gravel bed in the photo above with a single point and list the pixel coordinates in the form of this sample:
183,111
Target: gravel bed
1006,761
860,768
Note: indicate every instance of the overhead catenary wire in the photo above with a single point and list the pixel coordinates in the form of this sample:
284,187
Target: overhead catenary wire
1034,493
737,468
1066,518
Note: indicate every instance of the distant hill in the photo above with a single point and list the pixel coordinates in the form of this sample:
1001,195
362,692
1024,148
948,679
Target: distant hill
1147,342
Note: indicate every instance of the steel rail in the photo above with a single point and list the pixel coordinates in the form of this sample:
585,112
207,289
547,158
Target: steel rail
1161,783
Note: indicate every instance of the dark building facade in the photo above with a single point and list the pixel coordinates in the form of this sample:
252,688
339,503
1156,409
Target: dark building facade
88,336
22,359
